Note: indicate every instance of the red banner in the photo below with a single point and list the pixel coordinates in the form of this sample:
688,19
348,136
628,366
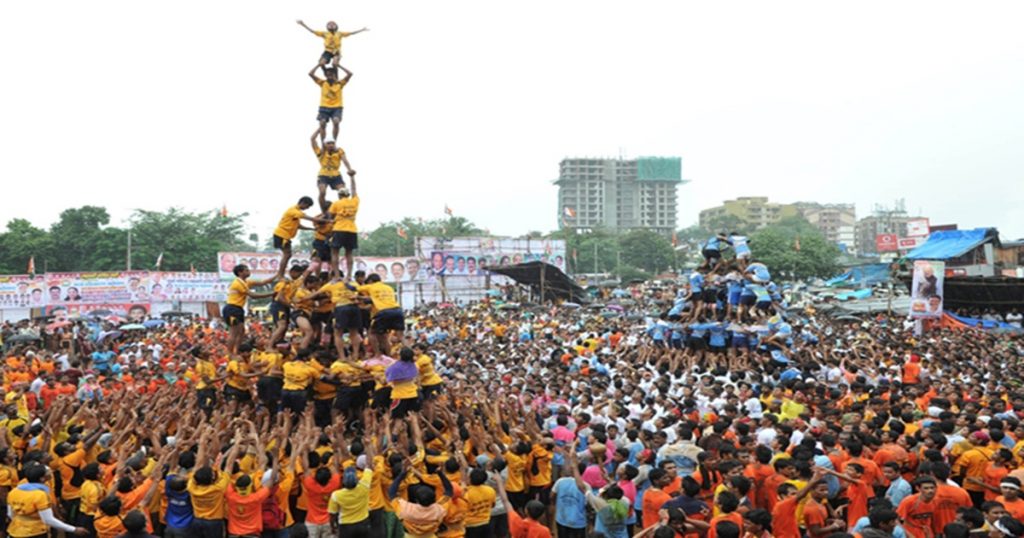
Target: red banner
886,243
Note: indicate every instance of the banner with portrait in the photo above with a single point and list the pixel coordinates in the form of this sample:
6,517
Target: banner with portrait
22,291
926,289
265,264
467,256
131,312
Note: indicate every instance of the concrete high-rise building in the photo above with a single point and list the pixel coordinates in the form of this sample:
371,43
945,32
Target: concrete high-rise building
884,220
619,194
837,222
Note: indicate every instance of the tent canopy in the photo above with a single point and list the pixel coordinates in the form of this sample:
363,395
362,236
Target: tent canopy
946,244
556,283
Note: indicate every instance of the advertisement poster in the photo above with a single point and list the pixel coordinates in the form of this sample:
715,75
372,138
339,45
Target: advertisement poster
926,289
467,256
885,243
132,312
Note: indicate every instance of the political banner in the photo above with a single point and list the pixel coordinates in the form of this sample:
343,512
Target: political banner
132,312
111,287
22,291
186,287
467,256
926,289
265,264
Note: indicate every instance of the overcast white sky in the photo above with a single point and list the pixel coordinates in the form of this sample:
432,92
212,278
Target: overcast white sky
194,104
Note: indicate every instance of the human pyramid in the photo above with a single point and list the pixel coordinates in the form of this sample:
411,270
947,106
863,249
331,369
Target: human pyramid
318,296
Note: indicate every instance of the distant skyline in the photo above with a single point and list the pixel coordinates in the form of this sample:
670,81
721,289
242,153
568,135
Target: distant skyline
473,105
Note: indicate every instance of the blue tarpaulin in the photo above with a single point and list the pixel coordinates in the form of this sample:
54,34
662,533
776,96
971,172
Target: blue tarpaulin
946,244
859,294
985,324
862,276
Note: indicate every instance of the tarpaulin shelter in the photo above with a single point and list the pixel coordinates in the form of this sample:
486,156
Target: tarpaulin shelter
546,279
946,244
953,321
862,276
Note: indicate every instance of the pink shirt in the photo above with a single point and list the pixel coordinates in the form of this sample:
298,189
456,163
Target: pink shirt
563,434
592,476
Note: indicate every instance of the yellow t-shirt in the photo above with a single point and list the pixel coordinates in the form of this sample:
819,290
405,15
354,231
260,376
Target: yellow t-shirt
300,301
204,368
330,161
25,507
332,40
352,505
481,502
288,227
92,493
382,295
344,211
330,94
321,230
238,293
541,458
208,501
342,293
516,472
66,466
235,371
272,360
347,373
297,375
428,377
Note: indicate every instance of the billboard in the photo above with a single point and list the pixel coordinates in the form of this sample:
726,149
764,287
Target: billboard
885,243
468,256
917,228
926,289
910,243
109,287
265,265
133,312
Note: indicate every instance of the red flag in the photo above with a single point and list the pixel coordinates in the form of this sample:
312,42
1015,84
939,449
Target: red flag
448,211
224,211
32,265
401,232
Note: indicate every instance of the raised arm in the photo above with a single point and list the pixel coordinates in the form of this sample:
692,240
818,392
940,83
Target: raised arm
302,24
351,172
348,74
312,74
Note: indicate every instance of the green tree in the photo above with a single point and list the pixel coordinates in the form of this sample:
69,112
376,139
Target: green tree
21,242
79,241
186,239
727,223
646,250
777,246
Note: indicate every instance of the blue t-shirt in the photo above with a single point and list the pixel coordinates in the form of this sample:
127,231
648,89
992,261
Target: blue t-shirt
571,507
179,507
101,358
696,283
717,335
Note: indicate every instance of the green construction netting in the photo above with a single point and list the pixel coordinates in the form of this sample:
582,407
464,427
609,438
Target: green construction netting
659,168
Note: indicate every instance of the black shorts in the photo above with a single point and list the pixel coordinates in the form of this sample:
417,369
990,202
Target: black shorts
322,250
364,318
268,389
327,56
711,254
347,318
541,493
331,181
382,398
296,314
748,300
709,295
239,395
344,240
351,398
233,315
281,243
696,343
206,397
279,311
518,499
430,392
329,113
321,317
401,408
293,400
391,319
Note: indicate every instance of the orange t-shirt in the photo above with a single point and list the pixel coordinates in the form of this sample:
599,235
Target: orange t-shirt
814,514
858,493
654,499
317,497
918,516
784,519
948,499
993,476
245,512
1014,508
735,517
